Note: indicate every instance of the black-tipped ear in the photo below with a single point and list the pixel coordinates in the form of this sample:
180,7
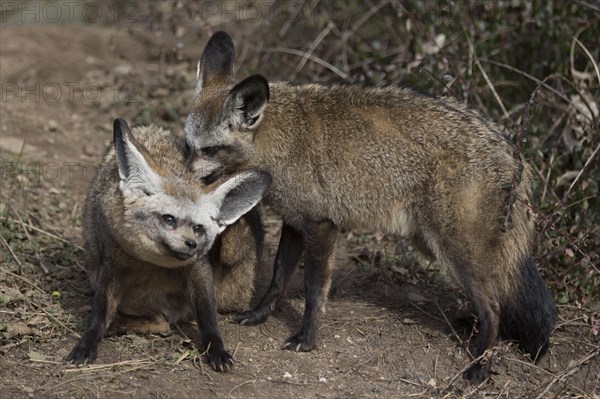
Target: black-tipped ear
249,98
217,61
137,170
121,130
240,193
219,54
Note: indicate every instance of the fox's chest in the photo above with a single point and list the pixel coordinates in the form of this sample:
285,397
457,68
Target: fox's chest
344,196
297,204
155,291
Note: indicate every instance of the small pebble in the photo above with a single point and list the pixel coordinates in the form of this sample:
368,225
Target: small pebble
52,125
160,92
123,70
89,150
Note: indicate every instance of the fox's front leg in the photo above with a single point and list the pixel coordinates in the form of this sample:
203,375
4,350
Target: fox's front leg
319,248
288,256
200,291
104,305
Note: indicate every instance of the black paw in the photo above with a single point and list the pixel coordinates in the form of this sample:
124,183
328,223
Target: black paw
299,343
477,373
220,359
82,354
253,317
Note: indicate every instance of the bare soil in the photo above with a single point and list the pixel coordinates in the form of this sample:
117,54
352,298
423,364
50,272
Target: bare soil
386,332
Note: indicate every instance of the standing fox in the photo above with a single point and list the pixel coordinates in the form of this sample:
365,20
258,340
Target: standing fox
377,158
148,227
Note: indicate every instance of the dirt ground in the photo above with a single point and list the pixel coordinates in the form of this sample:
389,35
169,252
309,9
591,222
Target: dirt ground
385,334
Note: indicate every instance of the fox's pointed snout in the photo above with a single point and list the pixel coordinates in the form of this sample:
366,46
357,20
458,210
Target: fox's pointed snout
184,249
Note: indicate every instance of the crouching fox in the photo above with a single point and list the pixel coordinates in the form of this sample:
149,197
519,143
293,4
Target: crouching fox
378,158
148,227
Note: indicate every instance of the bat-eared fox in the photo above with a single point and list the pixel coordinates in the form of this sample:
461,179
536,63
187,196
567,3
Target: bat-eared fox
149,225
351,157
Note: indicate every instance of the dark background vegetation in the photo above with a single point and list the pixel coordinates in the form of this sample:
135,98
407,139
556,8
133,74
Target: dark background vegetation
530,66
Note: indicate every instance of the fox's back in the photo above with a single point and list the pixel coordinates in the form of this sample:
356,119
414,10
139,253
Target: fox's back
376,152
355,122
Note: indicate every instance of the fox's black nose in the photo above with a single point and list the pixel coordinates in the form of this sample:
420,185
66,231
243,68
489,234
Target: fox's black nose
191,244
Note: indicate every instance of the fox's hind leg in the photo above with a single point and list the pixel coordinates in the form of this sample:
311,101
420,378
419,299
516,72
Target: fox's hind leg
235,256
475,270
488,312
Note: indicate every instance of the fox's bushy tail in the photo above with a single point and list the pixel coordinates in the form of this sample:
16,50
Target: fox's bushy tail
528,317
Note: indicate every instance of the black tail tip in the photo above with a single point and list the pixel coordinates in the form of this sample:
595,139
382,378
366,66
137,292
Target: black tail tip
530,315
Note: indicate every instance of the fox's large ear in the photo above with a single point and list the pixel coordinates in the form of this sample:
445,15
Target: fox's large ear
217,61
137,170
237,195
248,100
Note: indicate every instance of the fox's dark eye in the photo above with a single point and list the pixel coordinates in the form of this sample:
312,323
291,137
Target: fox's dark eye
170,220
210,151
198,229
251,120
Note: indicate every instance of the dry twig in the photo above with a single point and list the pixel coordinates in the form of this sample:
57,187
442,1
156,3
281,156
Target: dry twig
311,57
569,370
238,386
